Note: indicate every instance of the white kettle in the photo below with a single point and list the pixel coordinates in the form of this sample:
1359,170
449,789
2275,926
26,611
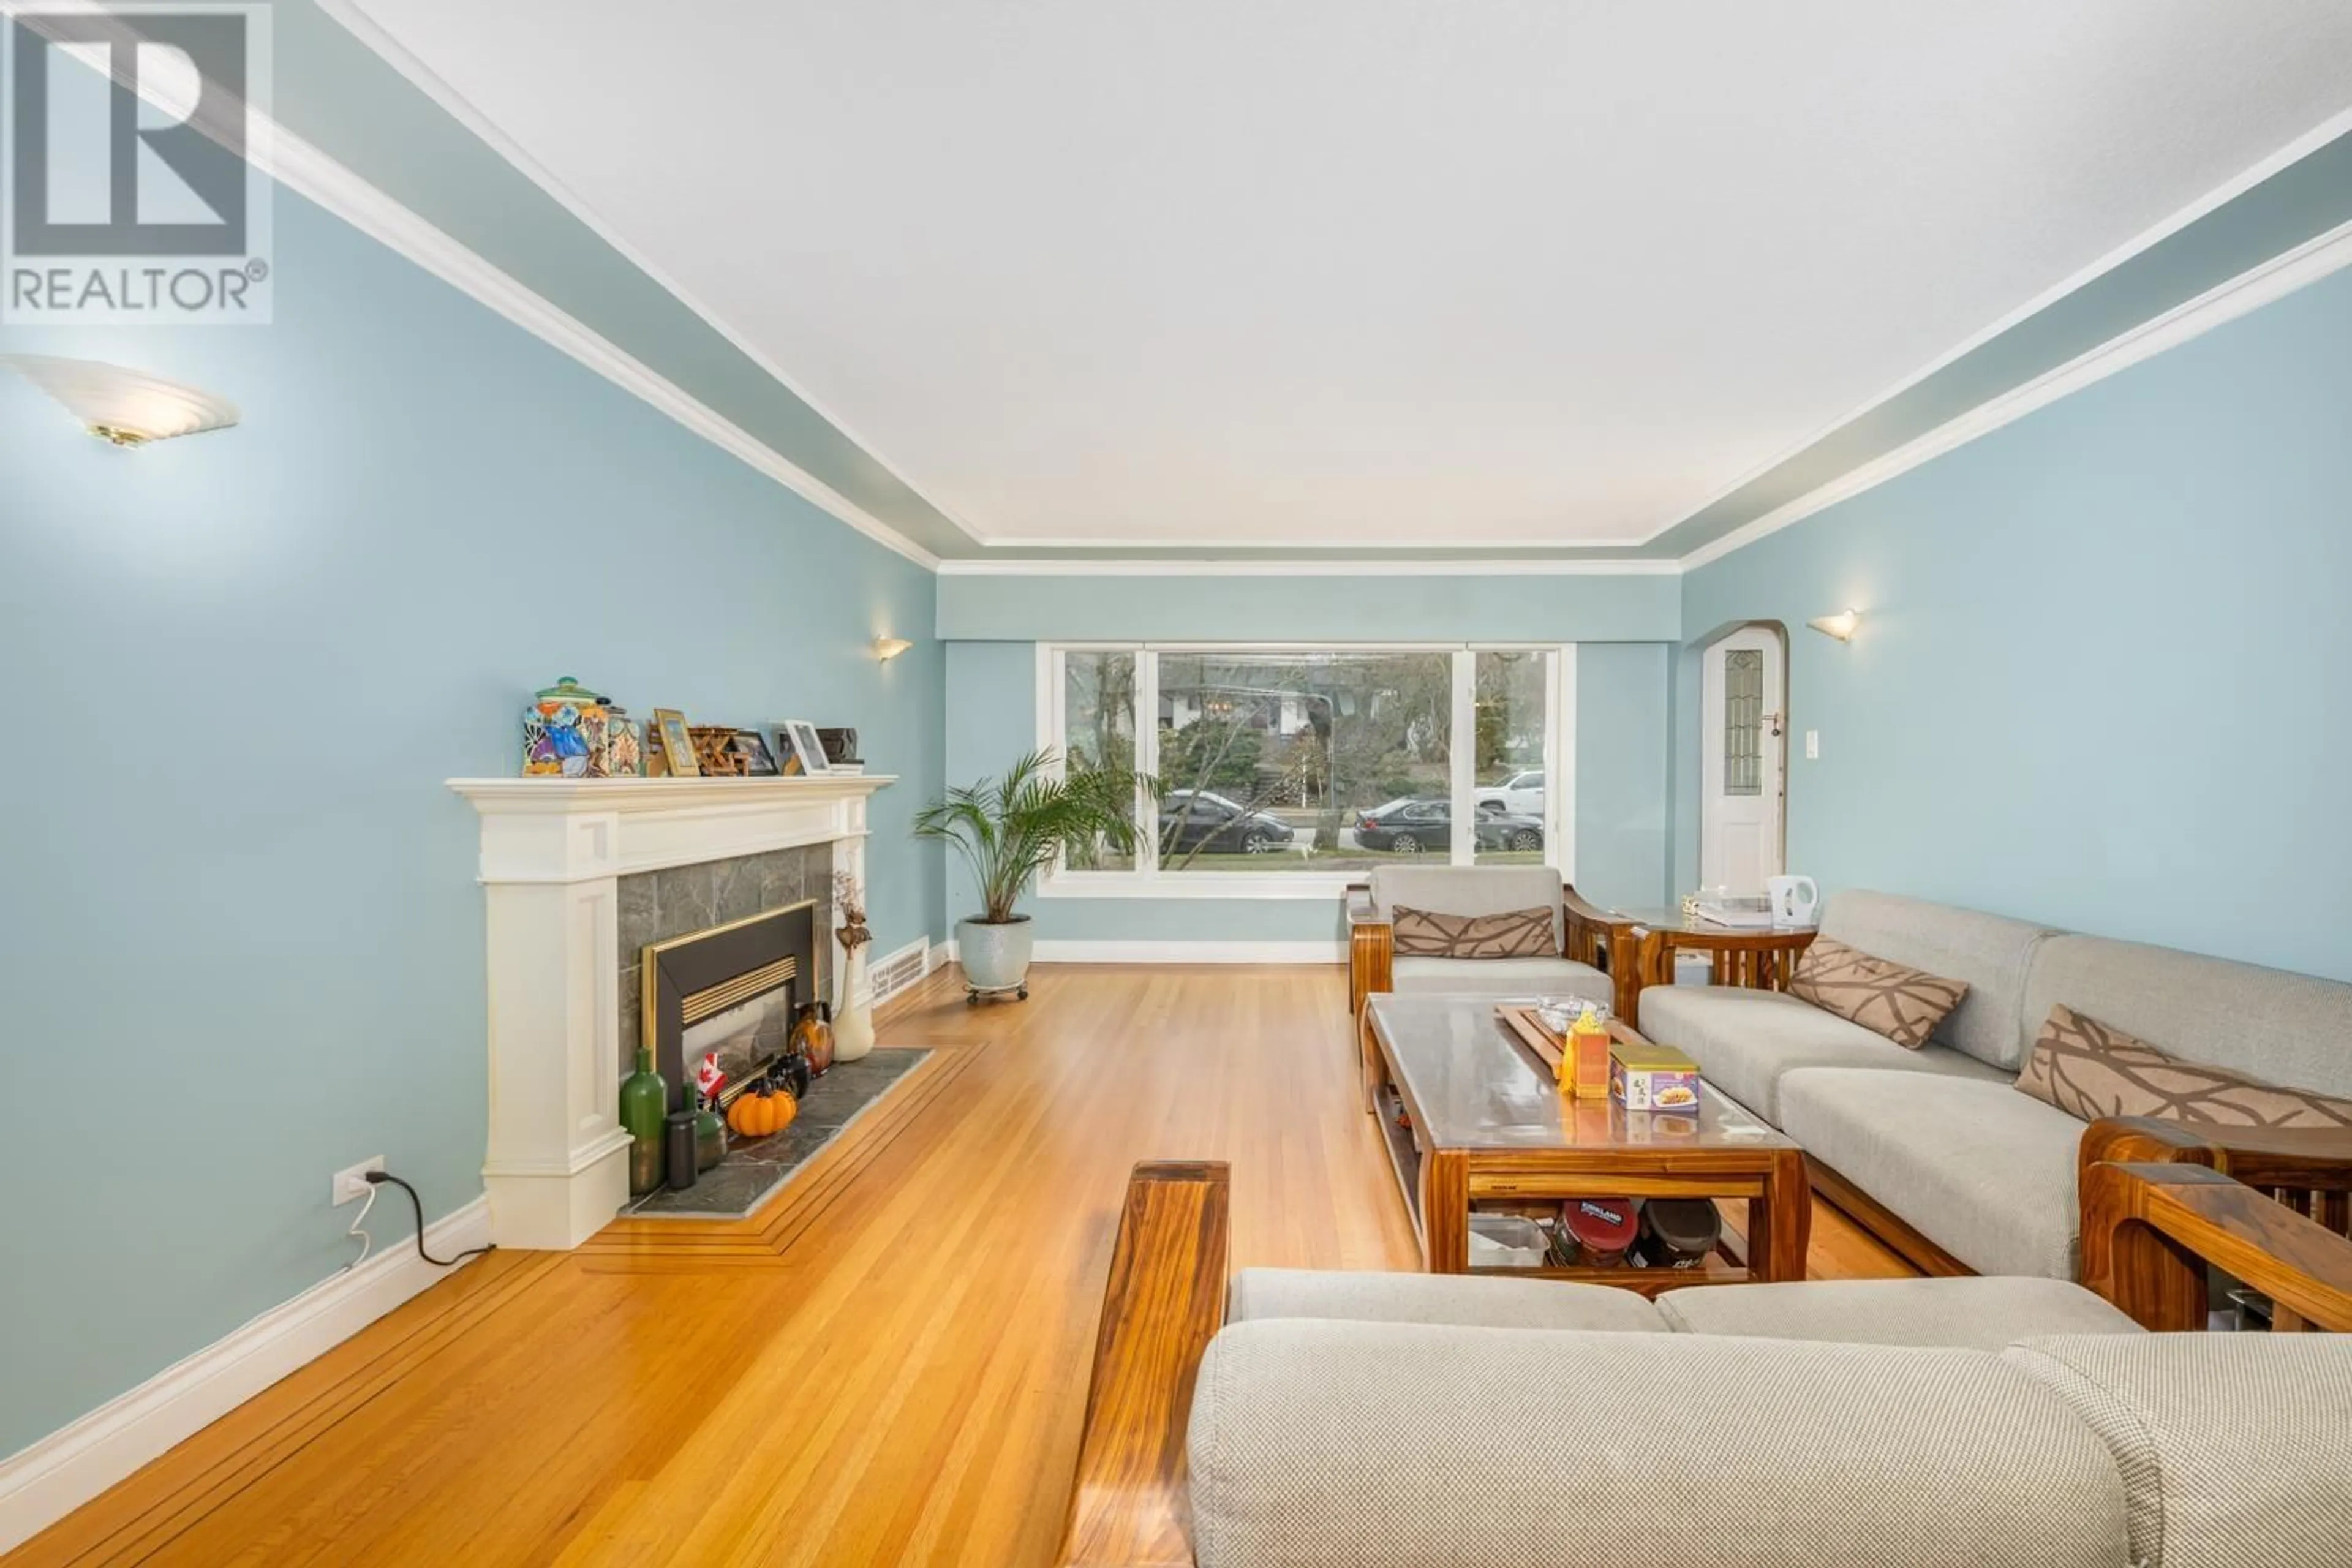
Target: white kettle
1796,900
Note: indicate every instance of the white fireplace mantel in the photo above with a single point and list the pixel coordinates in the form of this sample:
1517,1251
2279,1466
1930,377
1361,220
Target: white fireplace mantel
553,852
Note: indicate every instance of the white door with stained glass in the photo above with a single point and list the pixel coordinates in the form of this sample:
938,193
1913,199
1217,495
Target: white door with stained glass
1745,722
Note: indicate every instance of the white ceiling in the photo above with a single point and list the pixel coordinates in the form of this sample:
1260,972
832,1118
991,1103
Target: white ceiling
1371,272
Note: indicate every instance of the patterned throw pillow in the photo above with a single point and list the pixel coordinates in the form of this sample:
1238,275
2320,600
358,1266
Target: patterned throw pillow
1904,1004
2089,1070
1516,933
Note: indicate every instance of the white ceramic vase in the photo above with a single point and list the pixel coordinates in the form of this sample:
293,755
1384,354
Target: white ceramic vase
853,1019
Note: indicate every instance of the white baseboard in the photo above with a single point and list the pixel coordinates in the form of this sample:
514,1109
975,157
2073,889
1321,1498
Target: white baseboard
1066,952
1060,951
41,1484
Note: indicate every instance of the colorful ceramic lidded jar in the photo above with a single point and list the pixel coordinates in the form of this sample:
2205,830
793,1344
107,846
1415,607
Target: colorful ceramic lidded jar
563,732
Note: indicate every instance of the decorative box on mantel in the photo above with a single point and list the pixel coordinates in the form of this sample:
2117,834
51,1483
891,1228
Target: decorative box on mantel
553,852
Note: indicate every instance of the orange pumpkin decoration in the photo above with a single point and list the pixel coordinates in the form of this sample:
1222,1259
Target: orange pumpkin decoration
762,1112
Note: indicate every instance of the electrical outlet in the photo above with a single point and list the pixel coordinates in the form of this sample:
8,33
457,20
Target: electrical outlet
351,1183
1813,745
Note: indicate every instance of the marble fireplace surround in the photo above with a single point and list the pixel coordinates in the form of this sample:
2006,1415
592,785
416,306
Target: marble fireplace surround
683,901
559,857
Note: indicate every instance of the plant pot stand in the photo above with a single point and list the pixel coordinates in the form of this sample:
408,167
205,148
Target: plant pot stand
972,994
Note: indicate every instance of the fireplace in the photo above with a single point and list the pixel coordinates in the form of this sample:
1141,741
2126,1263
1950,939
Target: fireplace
731,989
579,877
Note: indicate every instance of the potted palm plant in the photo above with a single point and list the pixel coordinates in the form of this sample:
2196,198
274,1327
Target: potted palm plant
1010,829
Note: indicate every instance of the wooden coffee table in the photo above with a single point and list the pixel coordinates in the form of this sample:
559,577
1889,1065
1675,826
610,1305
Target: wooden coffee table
1473,1120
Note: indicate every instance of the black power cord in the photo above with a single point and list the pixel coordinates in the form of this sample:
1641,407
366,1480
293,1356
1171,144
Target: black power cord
377,1177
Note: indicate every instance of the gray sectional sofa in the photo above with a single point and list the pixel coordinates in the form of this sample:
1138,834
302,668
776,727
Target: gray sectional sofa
1424,1420
1282,1418
1939,1137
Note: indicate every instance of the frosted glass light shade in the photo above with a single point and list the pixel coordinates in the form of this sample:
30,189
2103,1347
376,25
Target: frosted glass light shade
124,407
888,648
1840,625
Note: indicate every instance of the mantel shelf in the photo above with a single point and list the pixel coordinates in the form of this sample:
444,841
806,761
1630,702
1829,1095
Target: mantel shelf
564,797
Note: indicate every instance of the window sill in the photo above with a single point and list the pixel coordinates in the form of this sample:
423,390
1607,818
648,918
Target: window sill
1327,886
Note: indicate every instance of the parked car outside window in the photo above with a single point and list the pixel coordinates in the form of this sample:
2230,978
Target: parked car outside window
1198,821
1522,793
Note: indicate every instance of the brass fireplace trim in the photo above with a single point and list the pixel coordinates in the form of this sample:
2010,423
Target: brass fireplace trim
700,1005
720,997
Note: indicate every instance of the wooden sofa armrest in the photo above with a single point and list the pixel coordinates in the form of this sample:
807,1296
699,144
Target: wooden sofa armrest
2150,1228
1164,1301
1372,947
1605,939
2308,1159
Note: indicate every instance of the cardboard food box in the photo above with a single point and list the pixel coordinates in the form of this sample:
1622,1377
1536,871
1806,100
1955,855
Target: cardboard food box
1644,1077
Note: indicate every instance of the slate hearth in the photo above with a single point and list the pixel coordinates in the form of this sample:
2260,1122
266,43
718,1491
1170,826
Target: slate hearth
753,1171
656,906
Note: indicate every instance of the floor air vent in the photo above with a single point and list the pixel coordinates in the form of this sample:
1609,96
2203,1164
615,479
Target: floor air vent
901,970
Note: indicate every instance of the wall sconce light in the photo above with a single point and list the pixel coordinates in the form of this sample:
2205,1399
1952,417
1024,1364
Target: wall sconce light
888,648
1840,625
123,407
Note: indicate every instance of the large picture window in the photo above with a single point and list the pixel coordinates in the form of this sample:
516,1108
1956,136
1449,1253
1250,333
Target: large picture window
1283,769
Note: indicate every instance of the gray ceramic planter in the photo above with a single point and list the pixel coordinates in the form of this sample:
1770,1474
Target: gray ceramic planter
996,958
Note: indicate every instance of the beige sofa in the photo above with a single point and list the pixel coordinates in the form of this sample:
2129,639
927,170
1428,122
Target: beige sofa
1939,1139
1758,1425
1471,890
1309,1420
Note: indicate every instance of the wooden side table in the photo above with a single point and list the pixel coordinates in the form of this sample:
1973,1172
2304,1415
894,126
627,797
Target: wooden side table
1755,960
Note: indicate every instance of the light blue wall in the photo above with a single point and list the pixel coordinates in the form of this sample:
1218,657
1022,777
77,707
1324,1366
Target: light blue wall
244,942
2100,679
1621,772
1439,607
1621,734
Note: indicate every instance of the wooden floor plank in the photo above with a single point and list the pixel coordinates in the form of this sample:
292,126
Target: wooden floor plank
888,1365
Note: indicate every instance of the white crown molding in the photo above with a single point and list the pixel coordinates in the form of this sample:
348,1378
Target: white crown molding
2245,180
41,1484
305,170
2249,291
1492,547
458,107
1362,568
311,173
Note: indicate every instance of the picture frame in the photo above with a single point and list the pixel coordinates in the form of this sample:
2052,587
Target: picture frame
758,761
798,750
714,750
676,745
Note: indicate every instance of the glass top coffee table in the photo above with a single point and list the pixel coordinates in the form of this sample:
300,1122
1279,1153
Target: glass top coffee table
1473,1120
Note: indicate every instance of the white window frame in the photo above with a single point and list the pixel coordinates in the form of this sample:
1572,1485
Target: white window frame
1147,880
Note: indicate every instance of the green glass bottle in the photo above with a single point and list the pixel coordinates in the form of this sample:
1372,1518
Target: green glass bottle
644,1101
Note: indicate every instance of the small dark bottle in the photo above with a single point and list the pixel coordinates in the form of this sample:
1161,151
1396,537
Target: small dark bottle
677,1145
794,1073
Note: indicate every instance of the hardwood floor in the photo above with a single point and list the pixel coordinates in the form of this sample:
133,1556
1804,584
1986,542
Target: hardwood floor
886,1365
